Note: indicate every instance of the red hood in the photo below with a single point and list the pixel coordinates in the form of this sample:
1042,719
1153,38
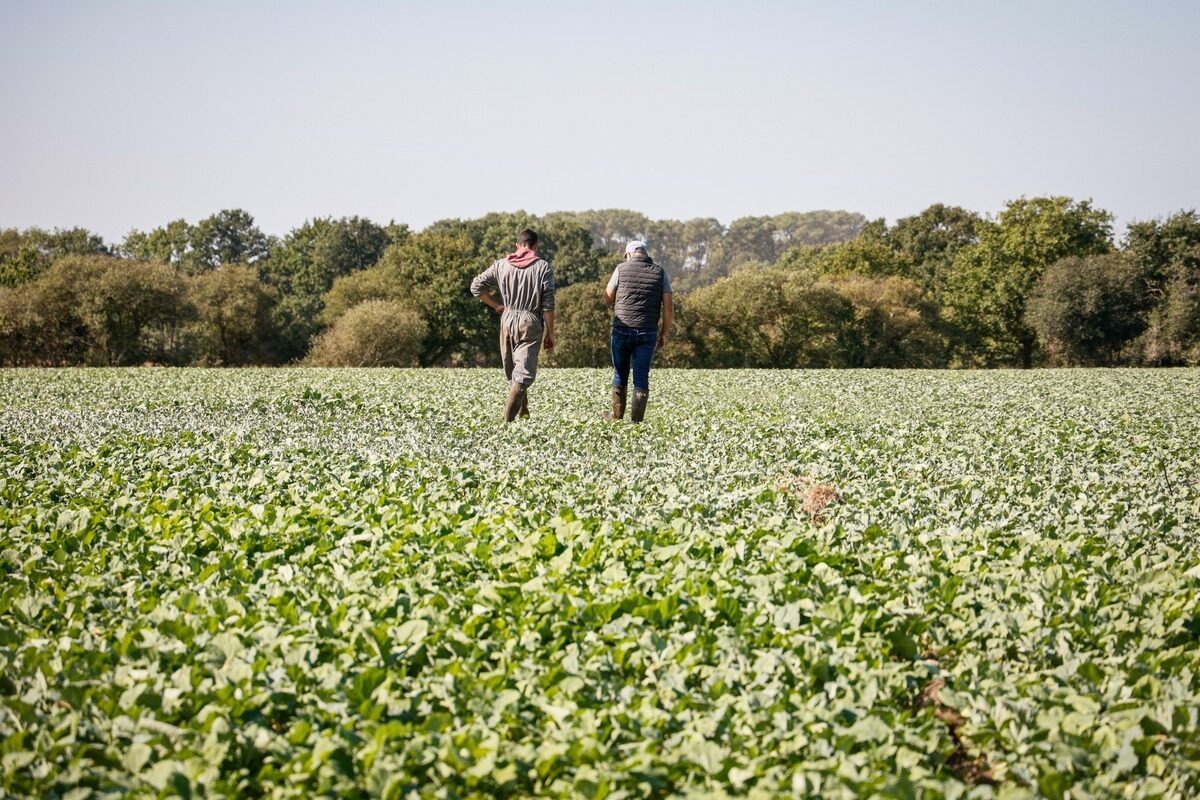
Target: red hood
522,258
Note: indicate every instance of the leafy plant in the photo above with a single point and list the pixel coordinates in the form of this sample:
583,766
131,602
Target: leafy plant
298,583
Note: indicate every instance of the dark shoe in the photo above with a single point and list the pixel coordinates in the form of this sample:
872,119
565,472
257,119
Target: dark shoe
524,412
637,409
618,403
516,396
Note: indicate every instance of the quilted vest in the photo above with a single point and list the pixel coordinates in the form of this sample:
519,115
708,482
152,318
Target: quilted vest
639,294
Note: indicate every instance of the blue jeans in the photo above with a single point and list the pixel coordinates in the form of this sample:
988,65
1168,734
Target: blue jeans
632,347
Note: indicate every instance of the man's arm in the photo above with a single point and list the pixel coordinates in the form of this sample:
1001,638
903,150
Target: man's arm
548,320
548,306
668,316
610,291
482,287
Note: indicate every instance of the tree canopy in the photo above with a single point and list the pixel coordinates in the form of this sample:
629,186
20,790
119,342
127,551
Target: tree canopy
1041,282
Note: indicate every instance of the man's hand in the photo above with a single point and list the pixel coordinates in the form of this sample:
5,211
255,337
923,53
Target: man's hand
548,322
668,316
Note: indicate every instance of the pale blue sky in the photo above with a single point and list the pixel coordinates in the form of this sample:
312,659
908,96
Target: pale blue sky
118,115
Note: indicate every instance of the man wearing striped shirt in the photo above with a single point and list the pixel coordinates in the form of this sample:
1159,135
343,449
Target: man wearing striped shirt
525,283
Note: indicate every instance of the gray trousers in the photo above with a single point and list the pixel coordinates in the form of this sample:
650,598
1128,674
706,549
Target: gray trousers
520,343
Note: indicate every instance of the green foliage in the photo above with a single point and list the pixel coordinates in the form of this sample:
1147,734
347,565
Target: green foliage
1086,310
763,240
227,237
767,317
375,333
19,327
861,256
307,262
1172,336
431,272
24,255
926,245
892,324
749,240
699,251
1166,250
312,256
126,305
941,288
784,317
348,292
169,244
689,251
233,323
100,310
566,244
569,247
1168,255
310,583
993,280
583,323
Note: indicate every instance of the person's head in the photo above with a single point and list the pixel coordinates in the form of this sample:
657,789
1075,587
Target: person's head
636,249
527,238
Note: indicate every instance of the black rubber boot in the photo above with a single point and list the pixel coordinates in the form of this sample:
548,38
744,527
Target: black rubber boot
524,412
637,409
516,398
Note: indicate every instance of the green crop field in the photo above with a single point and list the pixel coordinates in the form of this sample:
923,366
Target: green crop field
300,583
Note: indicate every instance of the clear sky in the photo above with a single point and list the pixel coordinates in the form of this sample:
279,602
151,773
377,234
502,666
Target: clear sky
120,115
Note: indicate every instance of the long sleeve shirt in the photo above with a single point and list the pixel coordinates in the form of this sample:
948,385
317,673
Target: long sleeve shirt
528,288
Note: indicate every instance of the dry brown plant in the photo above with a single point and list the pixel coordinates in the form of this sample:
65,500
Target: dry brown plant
814,495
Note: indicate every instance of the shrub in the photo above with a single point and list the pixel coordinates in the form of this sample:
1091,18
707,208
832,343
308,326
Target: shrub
375,333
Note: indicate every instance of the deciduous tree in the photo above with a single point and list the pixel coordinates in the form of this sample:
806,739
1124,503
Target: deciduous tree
582,324
233,323
992,280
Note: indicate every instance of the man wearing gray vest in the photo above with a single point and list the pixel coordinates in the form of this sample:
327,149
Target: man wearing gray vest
525,282
640,292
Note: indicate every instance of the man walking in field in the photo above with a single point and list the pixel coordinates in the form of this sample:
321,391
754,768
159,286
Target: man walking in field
525,282
640,292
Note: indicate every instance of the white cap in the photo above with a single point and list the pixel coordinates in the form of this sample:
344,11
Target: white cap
636,244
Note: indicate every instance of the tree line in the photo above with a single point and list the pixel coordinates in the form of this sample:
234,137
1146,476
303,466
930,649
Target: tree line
1041,283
